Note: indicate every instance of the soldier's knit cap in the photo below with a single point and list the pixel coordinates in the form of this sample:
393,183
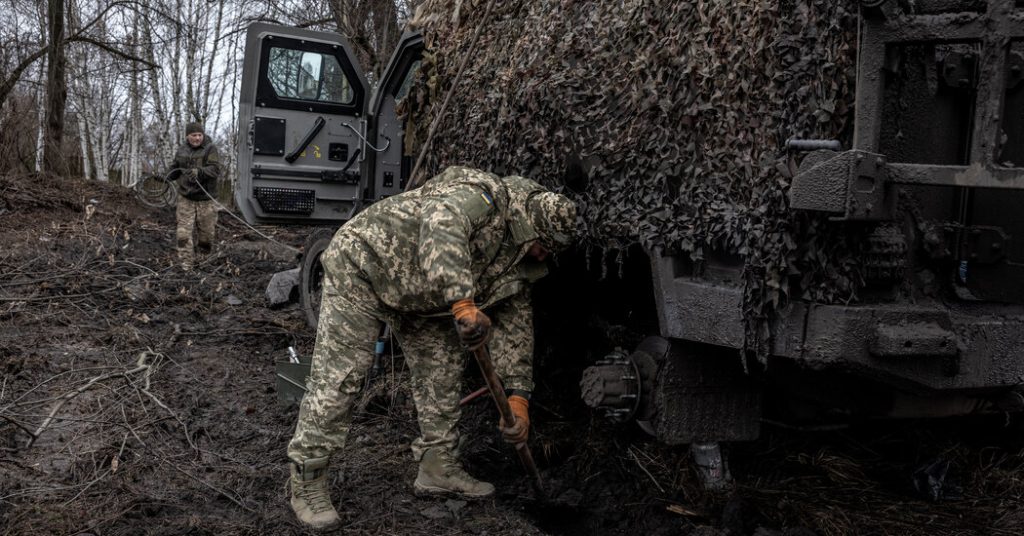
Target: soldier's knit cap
553,216
194,127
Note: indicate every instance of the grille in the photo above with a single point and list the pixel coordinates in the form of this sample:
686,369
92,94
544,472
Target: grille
286,200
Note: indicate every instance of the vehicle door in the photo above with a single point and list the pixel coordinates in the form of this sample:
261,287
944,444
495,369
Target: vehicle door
302,126
392,110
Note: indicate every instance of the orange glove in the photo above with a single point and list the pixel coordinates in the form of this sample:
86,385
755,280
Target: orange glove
473,325
519,432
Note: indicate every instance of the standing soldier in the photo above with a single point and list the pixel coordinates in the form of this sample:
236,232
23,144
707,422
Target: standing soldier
464,243
196,168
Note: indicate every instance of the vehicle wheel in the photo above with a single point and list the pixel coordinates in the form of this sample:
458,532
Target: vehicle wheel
311,274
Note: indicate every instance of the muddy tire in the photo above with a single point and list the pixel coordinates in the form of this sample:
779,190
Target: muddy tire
311,274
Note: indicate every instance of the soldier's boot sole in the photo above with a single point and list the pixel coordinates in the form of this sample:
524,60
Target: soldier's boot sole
318,522
426,491
440,474
310,498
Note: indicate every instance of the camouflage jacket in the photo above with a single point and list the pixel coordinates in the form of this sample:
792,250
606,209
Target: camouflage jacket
462,235
206,160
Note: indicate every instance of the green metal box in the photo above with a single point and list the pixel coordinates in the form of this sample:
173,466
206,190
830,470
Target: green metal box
291,378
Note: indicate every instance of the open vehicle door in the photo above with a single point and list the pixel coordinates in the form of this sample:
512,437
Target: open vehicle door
314,148
391,111
302,128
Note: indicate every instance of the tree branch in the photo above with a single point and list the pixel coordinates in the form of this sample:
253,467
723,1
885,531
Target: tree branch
111,49
308,23
8,84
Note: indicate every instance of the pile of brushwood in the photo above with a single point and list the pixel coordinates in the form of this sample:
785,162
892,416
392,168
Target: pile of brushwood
666,120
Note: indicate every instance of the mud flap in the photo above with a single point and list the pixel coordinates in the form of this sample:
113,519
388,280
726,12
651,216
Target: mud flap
703,395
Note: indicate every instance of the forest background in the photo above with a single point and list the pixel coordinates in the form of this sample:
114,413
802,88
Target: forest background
102,89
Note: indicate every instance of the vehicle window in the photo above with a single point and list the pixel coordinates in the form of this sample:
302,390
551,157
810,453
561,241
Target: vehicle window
403,88
305,75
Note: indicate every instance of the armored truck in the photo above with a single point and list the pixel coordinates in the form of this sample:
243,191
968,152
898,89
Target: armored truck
913,207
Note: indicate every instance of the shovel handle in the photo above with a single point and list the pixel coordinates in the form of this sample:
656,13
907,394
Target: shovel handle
483,358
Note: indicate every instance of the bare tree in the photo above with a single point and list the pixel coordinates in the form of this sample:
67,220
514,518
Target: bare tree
132,168
56,89
371,27
158,97
40,94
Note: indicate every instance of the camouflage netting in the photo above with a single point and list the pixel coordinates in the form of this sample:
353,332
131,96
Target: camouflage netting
665,120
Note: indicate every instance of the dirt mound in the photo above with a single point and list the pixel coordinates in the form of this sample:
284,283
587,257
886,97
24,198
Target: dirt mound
26,193
139,399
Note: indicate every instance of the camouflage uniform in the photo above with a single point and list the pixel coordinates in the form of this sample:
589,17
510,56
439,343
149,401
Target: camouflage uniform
404,261
199,217
196,212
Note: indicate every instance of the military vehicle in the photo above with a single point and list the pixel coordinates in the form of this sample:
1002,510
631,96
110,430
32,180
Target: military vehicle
928,186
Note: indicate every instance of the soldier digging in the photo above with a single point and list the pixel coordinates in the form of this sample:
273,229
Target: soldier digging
466,242
196,168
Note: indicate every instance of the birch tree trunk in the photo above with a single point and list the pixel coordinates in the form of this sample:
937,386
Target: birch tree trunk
83,135
85,100
235,54
41,96
131,173
163,120
192,43
175,96
41,114
210,60
102,129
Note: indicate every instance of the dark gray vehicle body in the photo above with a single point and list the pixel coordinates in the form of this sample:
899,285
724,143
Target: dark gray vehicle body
934,180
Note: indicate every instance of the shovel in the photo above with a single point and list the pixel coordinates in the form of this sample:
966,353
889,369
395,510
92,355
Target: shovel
483,358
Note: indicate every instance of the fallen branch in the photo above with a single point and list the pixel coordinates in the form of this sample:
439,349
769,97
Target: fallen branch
141,366
16,423
15,403
160,403
644,469
223,493
88,485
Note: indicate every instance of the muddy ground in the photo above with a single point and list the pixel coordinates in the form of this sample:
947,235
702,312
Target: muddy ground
139,399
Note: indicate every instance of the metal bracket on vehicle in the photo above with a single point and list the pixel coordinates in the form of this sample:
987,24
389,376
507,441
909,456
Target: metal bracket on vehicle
977,243
959,70
851,185
920,339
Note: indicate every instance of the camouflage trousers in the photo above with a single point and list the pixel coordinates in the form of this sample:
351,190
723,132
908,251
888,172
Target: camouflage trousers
198,218
350,322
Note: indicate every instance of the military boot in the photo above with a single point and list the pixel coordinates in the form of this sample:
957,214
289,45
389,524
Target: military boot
311,500
441,474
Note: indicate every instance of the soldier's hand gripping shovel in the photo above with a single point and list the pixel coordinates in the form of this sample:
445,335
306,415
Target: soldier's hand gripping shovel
483,358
